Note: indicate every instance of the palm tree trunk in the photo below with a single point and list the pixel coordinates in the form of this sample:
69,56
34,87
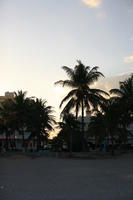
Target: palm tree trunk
82,118
82,122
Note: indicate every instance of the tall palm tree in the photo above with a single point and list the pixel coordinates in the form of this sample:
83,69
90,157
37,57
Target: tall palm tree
21,104
40,120
111,119
105,123
124,97
7,118
81,96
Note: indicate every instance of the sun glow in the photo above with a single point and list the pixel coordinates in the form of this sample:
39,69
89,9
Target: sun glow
60,90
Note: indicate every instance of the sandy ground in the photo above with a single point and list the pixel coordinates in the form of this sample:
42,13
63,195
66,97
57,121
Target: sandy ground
23,178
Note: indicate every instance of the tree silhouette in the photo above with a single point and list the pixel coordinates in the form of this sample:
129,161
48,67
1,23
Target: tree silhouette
40,120
81,96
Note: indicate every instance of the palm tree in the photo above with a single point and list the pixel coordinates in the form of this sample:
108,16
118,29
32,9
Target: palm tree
97,127
22,113
7,118
40,120
125,93
111,119
81,97
21,105
105,123
124,97
68,127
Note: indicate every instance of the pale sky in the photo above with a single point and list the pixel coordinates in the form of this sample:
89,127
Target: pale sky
37,37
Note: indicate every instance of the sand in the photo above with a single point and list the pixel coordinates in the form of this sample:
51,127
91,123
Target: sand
23,178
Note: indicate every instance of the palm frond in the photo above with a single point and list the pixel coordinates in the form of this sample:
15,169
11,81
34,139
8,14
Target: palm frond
101,92
69,71
117,92
69,95
69,106
94,76
67,83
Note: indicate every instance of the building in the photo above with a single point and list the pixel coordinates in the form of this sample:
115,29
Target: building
8,95
86,121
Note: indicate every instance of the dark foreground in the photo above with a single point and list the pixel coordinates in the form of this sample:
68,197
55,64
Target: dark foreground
23,178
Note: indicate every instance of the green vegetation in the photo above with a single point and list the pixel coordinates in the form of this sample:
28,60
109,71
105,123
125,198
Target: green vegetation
116,113
110,115
23,114
81,96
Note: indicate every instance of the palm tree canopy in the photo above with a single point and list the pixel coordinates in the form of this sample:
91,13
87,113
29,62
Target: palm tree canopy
80,80
124,97
80,76
97,125
21,103
7,112
126,89
41,118
68,125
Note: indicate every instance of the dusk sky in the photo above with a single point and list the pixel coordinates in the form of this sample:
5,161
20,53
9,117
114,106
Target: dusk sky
37,37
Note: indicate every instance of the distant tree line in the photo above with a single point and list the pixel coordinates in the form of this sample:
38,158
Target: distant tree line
110,113
23,114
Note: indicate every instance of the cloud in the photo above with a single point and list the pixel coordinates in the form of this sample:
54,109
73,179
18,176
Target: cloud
128,59
92,3
108,83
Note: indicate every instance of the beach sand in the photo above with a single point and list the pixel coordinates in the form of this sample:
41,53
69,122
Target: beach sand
23,178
